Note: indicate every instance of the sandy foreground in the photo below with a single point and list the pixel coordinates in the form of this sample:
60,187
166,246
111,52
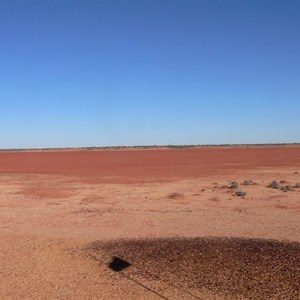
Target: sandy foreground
150,224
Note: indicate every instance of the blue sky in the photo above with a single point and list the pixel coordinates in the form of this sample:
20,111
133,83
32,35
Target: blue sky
96,73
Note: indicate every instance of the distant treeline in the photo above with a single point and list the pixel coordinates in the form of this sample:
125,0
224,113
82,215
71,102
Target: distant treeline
153,147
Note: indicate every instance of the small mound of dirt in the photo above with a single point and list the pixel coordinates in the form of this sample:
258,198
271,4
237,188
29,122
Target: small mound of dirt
234,268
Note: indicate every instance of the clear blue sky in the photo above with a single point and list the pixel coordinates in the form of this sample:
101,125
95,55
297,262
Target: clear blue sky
95,73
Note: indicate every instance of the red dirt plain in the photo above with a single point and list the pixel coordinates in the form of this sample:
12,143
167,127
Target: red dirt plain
64,216
144,165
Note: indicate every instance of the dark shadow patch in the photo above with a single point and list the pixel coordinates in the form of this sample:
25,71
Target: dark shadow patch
231,267
117,264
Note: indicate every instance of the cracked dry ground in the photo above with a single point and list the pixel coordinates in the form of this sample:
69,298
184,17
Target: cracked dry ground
66,216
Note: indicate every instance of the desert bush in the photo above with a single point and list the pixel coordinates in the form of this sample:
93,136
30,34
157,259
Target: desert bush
225,186
297,185
286,188
233,185
274,185
248,182
240,193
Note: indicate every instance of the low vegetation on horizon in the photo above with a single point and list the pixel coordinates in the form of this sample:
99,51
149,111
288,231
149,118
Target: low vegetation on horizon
150,147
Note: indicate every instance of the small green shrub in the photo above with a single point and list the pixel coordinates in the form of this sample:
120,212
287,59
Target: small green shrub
233,185
248,182
274,185
224,186
286,188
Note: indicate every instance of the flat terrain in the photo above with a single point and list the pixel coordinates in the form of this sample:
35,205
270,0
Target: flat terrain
150,224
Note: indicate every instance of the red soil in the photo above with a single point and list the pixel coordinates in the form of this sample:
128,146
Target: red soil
65,215
148,165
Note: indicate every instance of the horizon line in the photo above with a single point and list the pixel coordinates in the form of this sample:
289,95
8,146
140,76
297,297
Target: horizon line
174,146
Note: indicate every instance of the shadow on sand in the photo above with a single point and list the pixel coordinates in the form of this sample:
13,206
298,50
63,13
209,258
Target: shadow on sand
231,267
117,264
